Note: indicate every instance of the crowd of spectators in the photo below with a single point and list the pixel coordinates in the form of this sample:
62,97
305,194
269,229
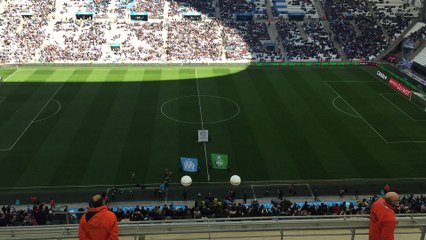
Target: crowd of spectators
22,36
205,7
395,17
98,7
140,41
204,206
316,46
229,7
196,41
355,30
394,26
32,38
155,8
75,40
418,35
243,41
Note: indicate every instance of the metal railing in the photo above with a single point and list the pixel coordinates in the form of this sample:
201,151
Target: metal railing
301,226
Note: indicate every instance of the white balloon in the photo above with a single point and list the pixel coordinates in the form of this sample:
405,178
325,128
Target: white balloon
186,181
235,180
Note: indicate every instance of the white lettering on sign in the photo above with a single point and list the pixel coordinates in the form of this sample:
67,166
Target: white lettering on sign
382,75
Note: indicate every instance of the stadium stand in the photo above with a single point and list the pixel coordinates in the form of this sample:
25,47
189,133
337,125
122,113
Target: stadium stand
154,8
315,46
294,8
54,32
75,41
197,41
231,7
190,6
204,206
245,41
395,15
354,28
137,41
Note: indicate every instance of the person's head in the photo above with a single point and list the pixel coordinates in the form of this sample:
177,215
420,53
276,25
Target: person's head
392,198
97,201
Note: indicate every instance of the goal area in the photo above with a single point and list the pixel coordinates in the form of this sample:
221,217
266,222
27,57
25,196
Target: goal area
419,100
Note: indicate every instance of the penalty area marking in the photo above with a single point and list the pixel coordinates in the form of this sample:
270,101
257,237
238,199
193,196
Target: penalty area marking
2,99
51,115
33,120
402,111
362,118
340,110
355,111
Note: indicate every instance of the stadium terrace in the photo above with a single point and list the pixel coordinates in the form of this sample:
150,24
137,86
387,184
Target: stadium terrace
212,109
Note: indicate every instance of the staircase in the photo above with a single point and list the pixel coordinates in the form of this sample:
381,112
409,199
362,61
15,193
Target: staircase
302,31
275,37
3,5
327,27
111,8
109,34
217,8
398,40
269,10
378,23
165,30
47,40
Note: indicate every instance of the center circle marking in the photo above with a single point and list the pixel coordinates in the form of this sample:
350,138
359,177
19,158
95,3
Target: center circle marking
198,122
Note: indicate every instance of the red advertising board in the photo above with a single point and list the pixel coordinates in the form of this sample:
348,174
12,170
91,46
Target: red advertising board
401,88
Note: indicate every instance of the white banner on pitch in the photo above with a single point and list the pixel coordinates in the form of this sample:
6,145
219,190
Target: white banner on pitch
203,135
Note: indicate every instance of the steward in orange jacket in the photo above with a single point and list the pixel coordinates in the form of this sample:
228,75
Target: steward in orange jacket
382,217
98,223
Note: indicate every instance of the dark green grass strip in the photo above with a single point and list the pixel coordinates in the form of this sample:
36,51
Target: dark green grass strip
227,138
53,137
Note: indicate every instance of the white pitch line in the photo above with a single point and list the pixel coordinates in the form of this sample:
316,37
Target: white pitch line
252,190
51,115
2,99
353,109
310,190
402,111
9,76
202,124
340,110
32,121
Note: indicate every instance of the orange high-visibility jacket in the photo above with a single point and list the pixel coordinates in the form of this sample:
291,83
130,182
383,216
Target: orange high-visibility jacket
98,224
382,221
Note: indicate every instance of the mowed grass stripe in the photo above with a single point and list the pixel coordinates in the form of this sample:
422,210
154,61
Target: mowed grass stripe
22,160
26,101
59,135
22,105
136,153
371,152
255,130
310,102
370,105
267,138
107,151
286,124
5,73
187,109
222,138
81,148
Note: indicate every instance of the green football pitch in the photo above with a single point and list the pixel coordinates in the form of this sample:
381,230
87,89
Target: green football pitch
95,126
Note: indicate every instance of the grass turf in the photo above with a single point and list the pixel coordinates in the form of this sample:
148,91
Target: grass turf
89,126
